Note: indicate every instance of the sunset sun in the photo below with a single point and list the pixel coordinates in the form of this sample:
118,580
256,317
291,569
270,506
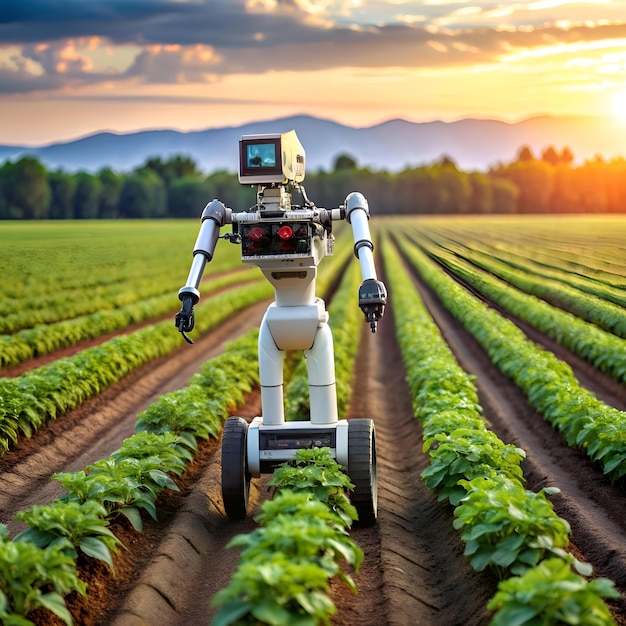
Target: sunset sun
619,105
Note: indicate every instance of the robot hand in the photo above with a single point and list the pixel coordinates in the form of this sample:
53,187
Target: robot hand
184,318
372,300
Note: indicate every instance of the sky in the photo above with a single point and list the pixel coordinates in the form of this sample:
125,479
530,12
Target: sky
70,68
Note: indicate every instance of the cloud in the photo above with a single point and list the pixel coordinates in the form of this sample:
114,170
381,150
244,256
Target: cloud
198,41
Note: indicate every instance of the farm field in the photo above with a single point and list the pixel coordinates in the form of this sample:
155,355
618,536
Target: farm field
526,318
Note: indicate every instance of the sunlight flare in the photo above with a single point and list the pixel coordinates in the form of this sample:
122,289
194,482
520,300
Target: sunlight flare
619,105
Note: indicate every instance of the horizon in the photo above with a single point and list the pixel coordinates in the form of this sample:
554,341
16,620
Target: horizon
68,140
73,69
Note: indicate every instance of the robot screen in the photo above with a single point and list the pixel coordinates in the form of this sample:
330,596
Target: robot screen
260,161
261,155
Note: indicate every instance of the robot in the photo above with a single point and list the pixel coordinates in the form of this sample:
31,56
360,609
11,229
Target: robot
287,242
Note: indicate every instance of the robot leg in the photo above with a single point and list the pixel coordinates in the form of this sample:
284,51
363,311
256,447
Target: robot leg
321,371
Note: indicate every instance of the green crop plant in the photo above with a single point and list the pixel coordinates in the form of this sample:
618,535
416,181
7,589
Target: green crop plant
131,479
317,473
32,578
118,492
467,453
83,525
198,410
46,338
552,595
507,527
285,567
602,349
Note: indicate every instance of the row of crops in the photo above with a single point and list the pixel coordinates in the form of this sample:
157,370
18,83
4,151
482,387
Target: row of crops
508,529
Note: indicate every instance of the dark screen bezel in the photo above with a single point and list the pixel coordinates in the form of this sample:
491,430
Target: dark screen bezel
260,171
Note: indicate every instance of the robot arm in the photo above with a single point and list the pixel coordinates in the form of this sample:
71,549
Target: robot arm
372,293
214,216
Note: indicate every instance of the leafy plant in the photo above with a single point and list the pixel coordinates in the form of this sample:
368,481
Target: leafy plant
114,488
279,591
550,595
168,451
286,564
549,383
28,401
32,578
467,453
199,409
300,537
507,527
83,525
314,471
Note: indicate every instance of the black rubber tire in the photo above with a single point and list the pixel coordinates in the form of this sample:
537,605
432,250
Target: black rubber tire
362,469
235,475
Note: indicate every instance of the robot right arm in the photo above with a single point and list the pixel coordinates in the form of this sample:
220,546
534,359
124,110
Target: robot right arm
214,216
372,293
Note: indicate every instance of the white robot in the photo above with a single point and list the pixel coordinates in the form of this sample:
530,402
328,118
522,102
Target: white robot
287,242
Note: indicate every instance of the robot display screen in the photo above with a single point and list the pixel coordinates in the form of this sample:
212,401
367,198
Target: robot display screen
261,155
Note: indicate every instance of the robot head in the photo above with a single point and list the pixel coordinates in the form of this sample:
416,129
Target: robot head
271,159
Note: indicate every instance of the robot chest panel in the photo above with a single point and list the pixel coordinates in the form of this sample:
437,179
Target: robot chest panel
276,239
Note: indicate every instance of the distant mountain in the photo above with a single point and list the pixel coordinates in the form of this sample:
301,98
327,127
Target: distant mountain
392,145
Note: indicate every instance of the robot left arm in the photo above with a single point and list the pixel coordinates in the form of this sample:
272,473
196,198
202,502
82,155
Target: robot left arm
372,293
214,216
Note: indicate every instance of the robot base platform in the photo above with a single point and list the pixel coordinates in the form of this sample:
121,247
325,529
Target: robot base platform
252,449
270,445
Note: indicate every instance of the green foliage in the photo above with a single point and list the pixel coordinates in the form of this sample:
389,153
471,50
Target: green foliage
601,348
128,482
109,310
467,453
143,195
279,591
82,524
507,527
25,190
30,400
549,383
198,410
32,578
286,564
86,196
526,185
551,595
315,472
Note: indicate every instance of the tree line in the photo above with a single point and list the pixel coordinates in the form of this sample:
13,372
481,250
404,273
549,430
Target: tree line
176,188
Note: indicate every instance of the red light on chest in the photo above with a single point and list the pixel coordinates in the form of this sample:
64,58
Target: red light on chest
256,233
285,232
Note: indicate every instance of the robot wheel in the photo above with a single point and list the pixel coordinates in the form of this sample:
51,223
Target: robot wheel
362,469
235,474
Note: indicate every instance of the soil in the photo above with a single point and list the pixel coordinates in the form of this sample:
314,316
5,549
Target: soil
414,570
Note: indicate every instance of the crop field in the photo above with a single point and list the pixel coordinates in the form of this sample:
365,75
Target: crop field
496,380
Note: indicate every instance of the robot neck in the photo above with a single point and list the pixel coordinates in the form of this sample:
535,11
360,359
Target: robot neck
273,199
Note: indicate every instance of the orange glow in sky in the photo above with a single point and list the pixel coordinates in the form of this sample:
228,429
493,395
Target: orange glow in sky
80,68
